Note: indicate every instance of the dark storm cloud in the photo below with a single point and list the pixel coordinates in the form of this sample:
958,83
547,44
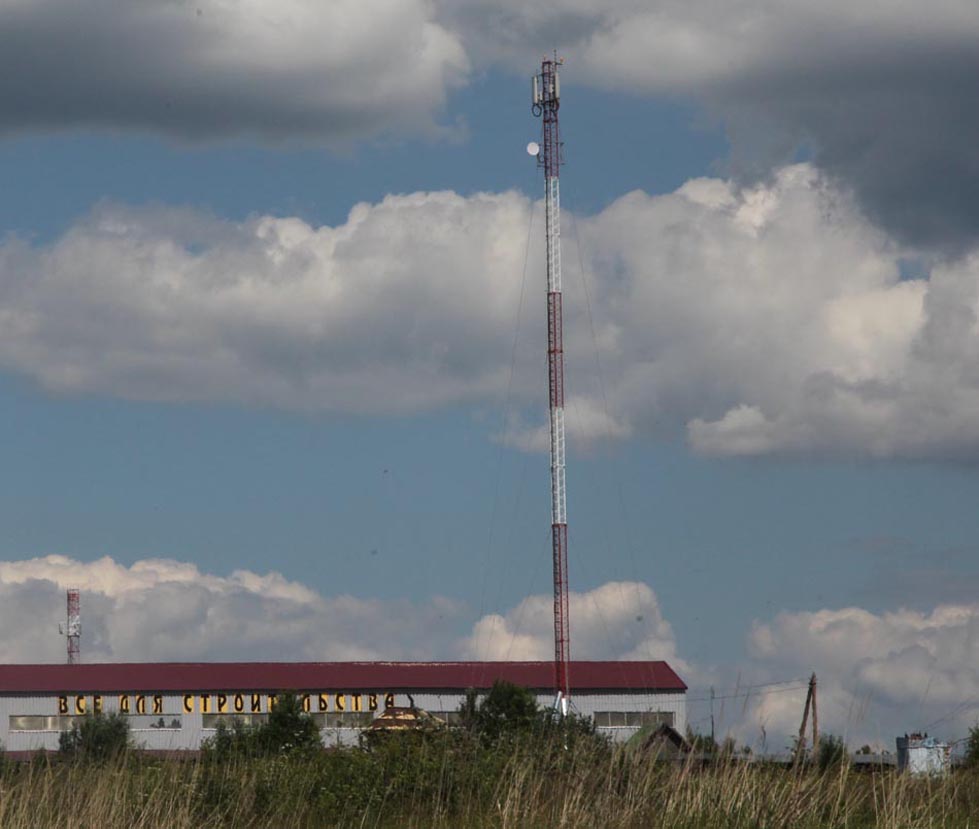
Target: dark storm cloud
882,96
209,69
895,122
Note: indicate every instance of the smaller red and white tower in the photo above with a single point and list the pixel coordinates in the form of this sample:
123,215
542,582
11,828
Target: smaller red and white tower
73,629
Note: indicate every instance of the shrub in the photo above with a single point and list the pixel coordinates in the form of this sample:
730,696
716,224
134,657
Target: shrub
508,716
508,707
98,738
234,740
832,752
287,730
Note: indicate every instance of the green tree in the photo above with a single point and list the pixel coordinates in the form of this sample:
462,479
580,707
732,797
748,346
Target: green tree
972,747
509,707
97,738
832,751
469,710
511,711
506,709
288,728
234,740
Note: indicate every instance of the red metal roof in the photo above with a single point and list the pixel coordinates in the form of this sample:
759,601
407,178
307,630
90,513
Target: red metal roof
339,676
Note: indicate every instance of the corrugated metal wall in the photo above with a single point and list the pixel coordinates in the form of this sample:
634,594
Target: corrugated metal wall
29,712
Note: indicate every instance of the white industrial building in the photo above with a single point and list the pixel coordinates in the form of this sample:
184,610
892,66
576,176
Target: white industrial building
174,706
923,756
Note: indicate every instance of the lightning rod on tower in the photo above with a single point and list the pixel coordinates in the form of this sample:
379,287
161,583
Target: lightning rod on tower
545,102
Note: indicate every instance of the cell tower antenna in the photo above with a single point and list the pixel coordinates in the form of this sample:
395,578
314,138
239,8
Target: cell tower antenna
73,629
545,102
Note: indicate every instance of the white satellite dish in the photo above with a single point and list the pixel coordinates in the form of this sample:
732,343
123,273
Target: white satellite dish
533,148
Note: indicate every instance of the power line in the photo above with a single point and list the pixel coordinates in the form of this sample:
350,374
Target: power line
747,694
959,709
757,690
625,525
794,681
480,646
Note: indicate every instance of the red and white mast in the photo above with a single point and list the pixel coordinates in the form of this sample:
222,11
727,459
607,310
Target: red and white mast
73,629
546,102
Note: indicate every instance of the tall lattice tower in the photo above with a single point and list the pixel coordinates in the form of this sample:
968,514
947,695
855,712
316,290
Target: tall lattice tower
546,100
73,629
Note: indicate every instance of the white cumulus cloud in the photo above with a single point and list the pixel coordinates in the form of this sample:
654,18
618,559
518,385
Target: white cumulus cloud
586,422
168,610
406,306
759,320
162,609
165,610
618,620
879,674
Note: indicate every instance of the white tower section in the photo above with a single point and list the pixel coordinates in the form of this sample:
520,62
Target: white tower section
552,221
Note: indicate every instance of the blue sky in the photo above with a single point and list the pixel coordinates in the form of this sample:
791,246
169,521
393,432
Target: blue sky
777,424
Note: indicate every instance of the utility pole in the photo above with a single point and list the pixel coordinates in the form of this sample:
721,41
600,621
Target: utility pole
545,102
713,742
800,746
815,717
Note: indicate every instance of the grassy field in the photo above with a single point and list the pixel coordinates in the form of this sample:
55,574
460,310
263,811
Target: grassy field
452,782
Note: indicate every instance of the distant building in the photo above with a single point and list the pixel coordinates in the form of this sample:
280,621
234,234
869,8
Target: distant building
922,755
175,706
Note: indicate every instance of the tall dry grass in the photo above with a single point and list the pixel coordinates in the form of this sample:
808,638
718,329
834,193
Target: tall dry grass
452,783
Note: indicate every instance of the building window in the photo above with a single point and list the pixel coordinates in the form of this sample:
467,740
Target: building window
147,722
448,717
347,719
40,722
212,720
336,719
632,719
35,722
